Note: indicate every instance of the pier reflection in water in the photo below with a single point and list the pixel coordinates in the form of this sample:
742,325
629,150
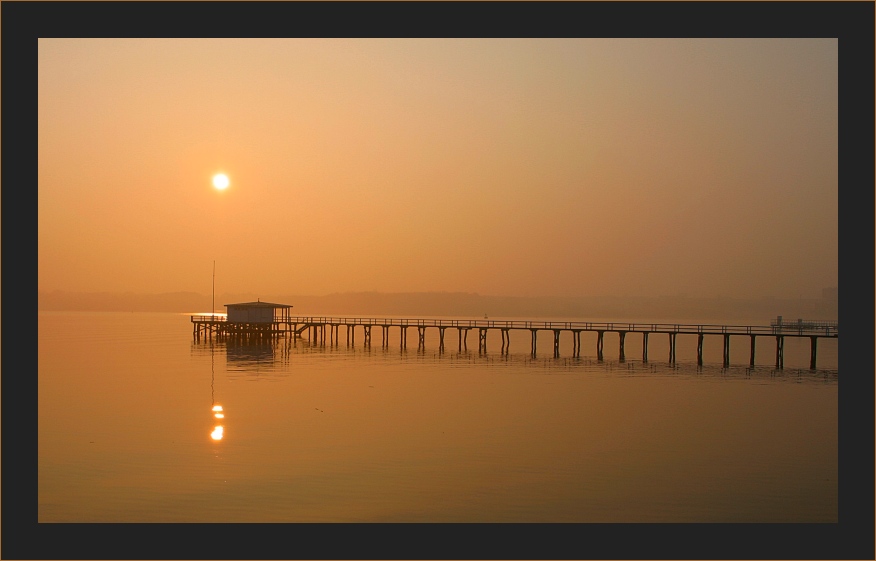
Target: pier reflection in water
356,433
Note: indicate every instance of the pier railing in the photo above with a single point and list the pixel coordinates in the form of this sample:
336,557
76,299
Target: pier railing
804,324
828,329
208,318
812,328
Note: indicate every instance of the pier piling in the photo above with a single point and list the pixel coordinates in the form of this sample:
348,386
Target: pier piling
780,351
751,358
482,339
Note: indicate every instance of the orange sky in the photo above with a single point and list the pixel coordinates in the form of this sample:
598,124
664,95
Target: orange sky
504,167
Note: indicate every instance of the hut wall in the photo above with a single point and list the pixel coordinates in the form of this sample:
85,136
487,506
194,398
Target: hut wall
245,314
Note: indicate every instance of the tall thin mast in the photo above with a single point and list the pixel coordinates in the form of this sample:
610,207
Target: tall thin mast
213,309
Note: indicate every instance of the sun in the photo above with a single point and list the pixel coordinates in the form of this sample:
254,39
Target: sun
220,181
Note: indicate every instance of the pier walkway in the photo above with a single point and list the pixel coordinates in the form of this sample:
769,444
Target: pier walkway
322,329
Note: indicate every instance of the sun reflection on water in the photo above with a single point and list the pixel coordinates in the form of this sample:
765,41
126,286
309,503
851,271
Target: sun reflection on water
218,430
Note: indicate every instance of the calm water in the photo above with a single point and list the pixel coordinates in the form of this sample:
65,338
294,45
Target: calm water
355,434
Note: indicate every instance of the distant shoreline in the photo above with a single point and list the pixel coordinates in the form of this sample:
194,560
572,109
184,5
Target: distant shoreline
458,304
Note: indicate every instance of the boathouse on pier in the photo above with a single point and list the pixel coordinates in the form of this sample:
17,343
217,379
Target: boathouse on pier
246,321
258,312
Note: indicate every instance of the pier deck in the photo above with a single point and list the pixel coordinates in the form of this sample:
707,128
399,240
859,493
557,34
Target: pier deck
322,328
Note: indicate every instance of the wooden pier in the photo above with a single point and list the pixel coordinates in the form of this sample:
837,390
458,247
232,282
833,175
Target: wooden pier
322,330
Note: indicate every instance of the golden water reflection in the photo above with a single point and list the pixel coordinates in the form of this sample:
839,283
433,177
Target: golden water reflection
218,430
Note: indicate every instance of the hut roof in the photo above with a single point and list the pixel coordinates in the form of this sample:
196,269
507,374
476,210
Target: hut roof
258,304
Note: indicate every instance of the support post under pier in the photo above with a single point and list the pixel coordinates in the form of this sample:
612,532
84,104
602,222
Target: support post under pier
482,339
751,358
780,351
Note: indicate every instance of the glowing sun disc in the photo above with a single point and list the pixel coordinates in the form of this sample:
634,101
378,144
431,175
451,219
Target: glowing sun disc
220,181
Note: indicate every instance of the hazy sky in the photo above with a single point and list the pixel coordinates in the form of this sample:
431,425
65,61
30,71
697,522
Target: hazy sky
530,167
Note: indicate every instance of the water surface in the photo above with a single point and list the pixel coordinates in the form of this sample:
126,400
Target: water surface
360,434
